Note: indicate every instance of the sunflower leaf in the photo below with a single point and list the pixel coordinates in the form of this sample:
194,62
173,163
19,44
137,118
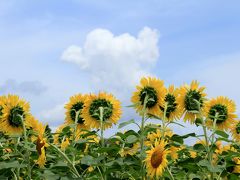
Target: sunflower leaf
123,124
131,139
222,133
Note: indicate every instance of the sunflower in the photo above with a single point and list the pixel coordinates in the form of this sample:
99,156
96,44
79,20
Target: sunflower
174,152
193,154
191,98
154,89
156,160
236,161
235,130
57,135
222,110
157,135
111,110
41,144
14,111
131,150
74,106
171,100
2,101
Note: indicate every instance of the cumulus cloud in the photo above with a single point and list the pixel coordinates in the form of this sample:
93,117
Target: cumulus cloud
113,61
25,87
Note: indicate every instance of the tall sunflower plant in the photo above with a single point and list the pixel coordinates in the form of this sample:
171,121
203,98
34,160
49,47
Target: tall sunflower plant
80,149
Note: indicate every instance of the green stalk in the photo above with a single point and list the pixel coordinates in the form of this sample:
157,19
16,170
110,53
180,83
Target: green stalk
142,137
26,144
102,139
75,125
163,133
170,173
67,159
164,119
209,150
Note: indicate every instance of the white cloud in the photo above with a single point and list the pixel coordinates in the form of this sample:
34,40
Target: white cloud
115,61
54,116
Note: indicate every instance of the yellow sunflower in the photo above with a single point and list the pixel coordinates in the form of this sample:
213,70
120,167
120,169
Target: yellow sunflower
222,110
235,130
193,154
111,110
236,161
2,101
57,134
74,106
41,144
190,99
154,89
156,160
13,109
174,152
157,135
171,100
131,150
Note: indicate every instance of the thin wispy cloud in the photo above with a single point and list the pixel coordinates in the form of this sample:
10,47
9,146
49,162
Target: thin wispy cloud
25,87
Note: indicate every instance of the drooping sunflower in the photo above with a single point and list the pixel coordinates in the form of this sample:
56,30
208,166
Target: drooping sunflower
156,160
111,110
14,112
222,110
171,103
41,144
74,108
235,130
191,100
154,89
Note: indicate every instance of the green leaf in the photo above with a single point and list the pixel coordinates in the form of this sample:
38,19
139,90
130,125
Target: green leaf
203,163
177,124
189,135
222,133
123,124
177,138
131,139
13,164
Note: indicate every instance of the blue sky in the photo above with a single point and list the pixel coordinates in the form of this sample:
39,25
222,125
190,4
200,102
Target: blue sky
194,39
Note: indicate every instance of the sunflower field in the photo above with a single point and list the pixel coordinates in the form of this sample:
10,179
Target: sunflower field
78,149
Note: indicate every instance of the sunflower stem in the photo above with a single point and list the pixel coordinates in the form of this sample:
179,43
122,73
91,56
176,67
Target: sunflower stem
26,144
170,173
67,159
209,150
75,126
142,135
164,119
101,110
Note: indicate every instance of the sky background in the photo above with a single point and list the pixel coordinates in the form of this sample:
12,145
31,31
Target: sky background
51,50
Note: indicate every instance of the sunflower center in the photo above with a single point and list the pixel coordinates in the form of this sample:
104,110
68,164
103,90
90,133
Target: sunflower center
192,99
152,96
238,128
171,104
156,158
94,110
39,145
15,116
222,112
75,108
